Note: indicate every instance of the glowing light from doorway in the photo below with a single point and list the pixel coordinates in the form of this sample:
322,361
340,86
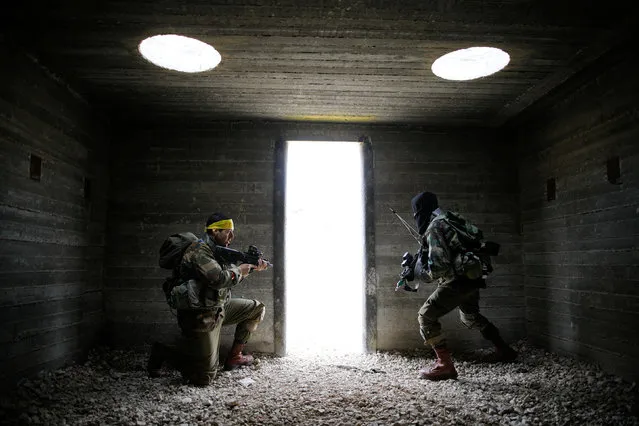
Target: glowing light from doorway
324,248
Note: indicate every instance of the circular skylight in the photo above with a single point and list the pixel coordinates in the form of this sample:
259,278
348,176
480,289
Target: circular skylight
471,63
179,53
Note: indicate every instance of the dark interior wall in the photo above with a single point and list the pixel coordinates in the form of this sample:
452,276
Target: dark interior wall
580,250
52,237
170,179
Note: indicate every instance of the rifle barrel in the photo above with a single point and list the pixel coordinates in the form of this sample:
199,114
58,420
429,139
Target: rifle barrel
413,232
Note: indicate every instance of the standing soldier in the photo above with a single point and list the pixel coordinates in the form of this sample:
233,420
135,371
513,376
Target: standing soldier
458,271
211,279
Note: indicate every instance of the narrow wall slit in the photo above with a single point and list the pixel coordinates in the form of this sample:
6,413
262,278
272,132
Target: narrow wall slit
324,246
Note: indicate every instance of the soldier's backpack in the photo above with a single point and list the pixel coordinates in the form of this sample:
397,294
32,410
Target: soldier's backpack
472,252
173,248
171,253
467,235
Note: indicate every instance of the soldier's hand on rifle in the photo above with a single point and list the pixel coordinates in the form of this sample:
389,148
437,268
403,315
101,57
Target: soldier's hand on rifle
261,265
245,269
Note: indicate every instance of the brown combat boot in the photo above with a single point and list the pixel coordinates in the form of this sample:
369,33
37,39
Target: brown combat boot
503,352
443,369
236,358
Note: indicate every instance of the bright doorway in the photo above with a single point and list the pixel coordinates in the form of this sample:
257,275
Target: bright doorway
324,247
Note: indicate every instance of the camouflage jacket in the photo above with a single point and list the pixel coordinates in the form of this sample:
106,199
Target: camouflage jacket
447,257
214,279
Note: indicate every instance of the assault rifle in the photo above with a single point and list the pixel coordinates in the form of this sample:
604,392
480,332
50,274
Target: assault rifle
251,256
408,261
408,273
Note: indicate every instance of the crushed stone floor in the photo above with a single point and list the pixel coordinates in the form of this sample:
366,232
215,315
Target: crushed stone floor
112,388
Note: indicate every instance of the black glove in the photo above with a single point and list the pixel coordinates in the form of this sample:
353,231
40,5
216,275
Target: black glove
408,263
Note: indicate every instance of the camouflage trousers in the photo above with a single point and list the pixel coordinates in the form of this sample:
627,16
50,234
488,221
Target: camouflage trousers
461,293
197,350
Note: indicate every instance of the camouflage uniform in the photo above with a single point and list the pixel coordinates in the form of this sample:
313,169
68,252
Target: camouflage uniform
198,350
447,265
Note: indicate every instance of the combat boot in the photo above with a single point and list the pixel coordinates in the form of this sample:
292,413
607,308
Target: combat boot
443,369
236,358
159,354
503,352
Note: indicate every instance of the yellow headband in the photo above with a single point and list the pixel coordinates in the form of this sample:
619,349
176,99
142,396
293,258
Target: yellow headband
221,224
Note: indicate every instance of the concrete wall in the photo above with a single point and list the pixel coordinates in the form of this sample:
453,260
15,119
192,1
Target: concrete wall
52,237
580,250
170,179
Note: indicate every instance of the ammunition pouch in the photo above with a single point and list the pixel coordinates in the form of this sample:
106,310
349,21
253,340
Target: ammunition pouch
186,296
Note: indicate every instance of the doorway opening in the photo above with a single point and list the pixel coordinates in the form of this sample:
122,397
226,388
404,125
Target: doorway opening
324,247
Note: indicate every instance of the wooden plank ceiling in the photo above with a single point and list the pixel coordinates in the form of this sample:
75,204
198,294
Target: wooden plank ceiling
324,60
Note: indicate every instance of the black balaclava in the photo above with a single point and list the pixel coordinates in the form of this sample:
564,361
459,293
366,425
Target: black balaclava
423,206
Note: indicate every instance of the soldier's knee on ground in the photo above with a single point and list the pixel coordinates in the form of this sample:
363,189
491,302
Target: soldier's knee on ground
260,311
203,378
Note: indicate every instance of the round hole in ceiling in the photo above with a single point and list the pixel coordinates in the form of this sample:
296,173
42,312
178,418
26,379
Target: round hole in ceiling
179,53
470,63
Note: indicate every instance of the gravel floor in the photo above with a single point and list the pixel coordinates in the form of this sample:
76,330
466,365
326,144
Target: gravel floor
112,388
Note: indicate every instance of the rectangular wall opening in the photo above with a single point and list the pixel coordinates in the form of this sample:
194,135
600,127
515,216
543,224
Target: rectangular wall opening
35,167
613,170
324,248
551,189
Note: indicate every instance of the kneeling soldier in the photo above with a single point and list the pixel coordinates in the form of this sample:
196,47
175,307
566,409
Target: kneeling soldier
209,280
